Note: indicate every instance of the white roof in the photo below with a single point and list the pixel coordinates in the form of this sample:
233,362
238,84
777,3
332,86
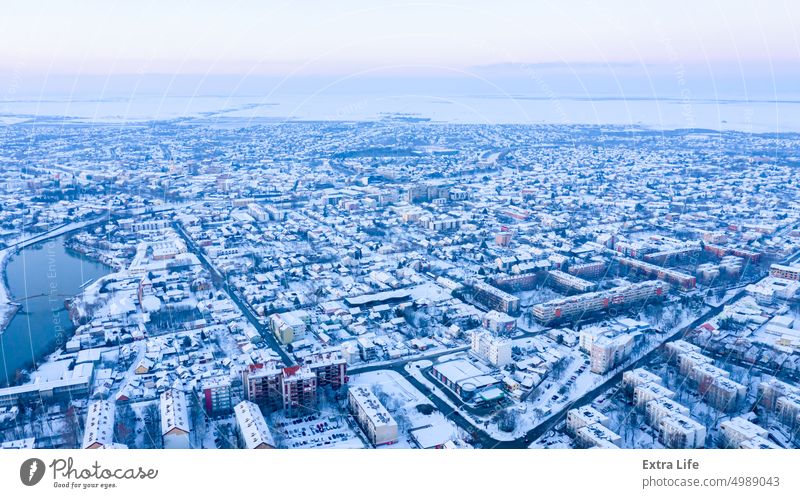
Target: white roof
433,435
174,413
589,415
744,427
99,424
373,408
252,425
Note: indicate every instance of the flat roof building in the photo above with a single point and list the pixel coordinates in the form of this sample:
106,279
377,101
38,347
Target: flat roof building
737,430
658,408
597,435
495,350
638,376
593,302
644,393
462,377
677,348
680,431
758,443
785,271
374,419
583,416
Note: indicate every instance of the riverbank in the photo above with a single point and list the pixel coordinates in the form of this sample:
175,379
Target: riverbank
91,254
41,277
8,308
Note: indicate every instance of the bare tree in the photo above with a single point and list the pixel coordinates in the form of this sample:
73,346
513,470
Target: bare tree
72,427
152,426
125,425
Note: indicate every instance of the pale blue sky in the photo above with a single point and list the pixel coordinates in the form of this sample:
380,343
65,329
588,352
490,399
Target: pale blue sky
107,37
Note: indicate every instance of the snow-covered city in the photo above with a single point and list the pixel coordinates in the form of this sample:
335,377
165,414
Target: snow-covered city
398,283
362,233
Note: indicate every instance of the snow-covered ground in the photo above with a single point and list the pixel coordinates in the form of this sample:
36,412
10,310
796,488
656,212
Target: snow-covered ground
415,370
402,399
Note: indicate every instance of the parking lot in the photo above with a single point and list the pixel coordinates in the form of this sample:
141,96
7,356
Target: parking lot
317,431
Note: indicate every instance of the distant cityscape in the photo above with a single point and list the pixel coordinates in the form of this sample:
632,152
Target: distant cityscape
398,283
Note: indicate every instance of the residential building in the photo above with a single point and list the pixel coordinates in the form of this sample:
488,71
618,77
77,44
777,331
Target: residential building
262,383
789,272
569,283
373,418
608,352
737,430
597,435
498,322
788,409
680,431
329,367
175,429
215,396
770,390
99,428
725,395
636,377
299,389
644,393
251,427
582,417
495,298
593,302
677,348
658,408
495,350
290,326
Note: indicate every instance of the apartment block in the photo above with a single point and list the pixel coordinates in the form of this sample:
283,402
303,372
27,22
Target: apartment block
373,418
251,427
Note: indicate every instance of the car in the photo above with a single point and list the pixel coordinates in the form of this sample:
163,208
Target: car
554,398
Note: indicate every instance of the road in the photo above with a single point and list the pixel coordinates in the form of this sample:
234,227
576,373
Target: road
559,416
487,441
220,279
554,420
390,365
68,228
480,436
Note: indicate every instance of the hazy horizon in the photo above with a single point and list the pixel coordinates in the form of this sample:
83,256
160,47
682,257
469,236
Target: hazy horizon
358,59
